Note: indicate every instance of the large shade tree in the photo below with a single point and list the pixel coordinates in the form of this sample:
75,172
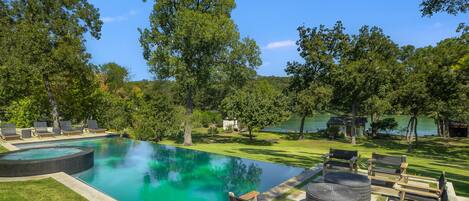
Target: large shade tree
365,74
44,39
321,48
191,42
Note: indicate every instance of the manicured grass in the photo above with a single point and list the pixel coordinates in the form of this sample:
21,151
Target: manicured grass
37,190
432,156
3,149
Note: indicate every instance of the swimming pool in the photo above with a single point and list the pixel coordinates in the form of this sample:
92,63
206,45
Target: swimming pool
135,170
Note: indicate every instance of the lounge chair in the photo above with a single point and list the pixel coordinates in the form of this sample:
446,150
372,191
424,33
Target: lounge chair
337,158
423,191
8,132
40,129
251,196
94,128
387,168
67,128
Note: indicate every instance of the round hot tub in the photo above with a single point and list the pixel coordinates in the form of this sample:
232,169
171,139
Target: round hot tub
45,160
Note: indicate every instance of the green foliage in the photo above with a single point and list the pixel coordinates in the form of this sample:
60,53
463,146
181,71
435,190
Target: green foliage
256,106
44,39
385,124
114,76
313,99
115,113
212,130
195,43
206,118
430,7
155,117
25,111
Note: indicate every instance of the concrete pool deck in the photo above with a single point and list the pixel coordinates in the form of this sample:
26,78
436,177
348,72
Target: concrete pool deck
72,183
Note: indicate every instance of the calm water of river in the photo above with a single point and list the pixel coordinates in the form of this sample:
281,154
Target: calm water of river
425,126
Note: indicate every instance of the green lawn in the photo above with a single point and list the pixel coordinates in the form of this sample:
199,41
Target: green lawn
37,190
431,157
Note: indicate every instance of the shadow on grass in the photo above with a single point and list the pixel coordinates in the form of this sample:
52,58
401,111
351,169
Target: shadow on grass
201,138
283,157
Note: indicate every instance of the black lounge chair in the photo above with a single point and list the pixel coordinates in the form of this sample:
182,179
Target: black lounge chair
408,191
94,128
40,129
251,196
8,132
387,168
67,128
343,159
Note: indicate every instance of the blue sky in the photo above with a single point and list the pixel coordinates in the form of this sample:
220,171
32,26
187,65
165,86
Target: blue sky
272,23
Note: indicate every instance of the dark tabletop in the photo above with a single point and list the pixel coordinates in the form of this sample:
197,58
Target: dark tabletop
330,192
347,179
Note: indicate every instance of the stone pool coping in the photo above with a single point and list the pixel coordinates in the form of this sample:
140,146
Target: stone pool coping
72,183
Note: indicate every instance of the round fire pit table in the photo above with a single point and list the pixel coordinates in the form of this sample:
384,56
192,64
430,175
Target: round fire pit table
330,192
360,184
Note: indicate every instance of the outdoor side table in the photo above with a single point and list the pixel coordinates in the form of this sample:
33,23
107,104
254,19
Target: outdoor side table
25,133
330,192
360,184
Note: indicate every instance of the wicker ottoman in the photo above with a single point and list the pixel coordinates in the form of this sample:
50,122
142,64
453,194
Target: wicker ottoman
330,192
359,184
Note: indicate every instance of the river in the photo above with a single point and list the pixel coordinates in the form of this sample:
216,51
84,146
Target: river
425,126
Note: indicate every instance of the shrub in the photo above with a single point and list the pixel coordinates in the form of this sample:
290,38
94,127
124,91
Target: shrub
155,117
206,118
212,130
25,111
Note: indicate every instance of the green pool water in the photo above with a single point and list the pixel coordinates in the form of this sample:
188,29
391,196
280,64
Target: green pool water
425,125
37,154
136,170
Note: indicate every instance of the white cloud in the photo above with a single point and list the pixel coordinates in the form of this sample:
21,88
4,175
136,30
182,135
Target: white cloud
280,44
119,18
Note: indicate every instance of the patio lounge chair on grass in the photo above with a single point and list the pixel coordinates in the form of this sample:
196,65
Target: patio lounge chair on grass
67,128
423,191
251,196
386,168
337,158
8,132
40,129
94,128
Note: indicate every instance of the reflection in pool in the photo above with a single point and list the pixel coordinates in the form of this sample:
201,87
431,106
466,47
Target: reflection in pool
135,170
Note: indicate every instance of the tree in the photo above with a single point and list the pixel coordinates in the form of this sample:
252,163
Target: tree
453,7
366,73
256,106
191,41
155,117
114,76
321,48
430,7
311,100
46,39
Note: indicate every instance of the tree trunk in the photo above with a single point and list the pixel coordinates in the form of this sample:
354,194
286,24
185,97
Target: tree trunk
53,103
188,119
415,130
374,130
250,134
410,128
354,114
302,126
